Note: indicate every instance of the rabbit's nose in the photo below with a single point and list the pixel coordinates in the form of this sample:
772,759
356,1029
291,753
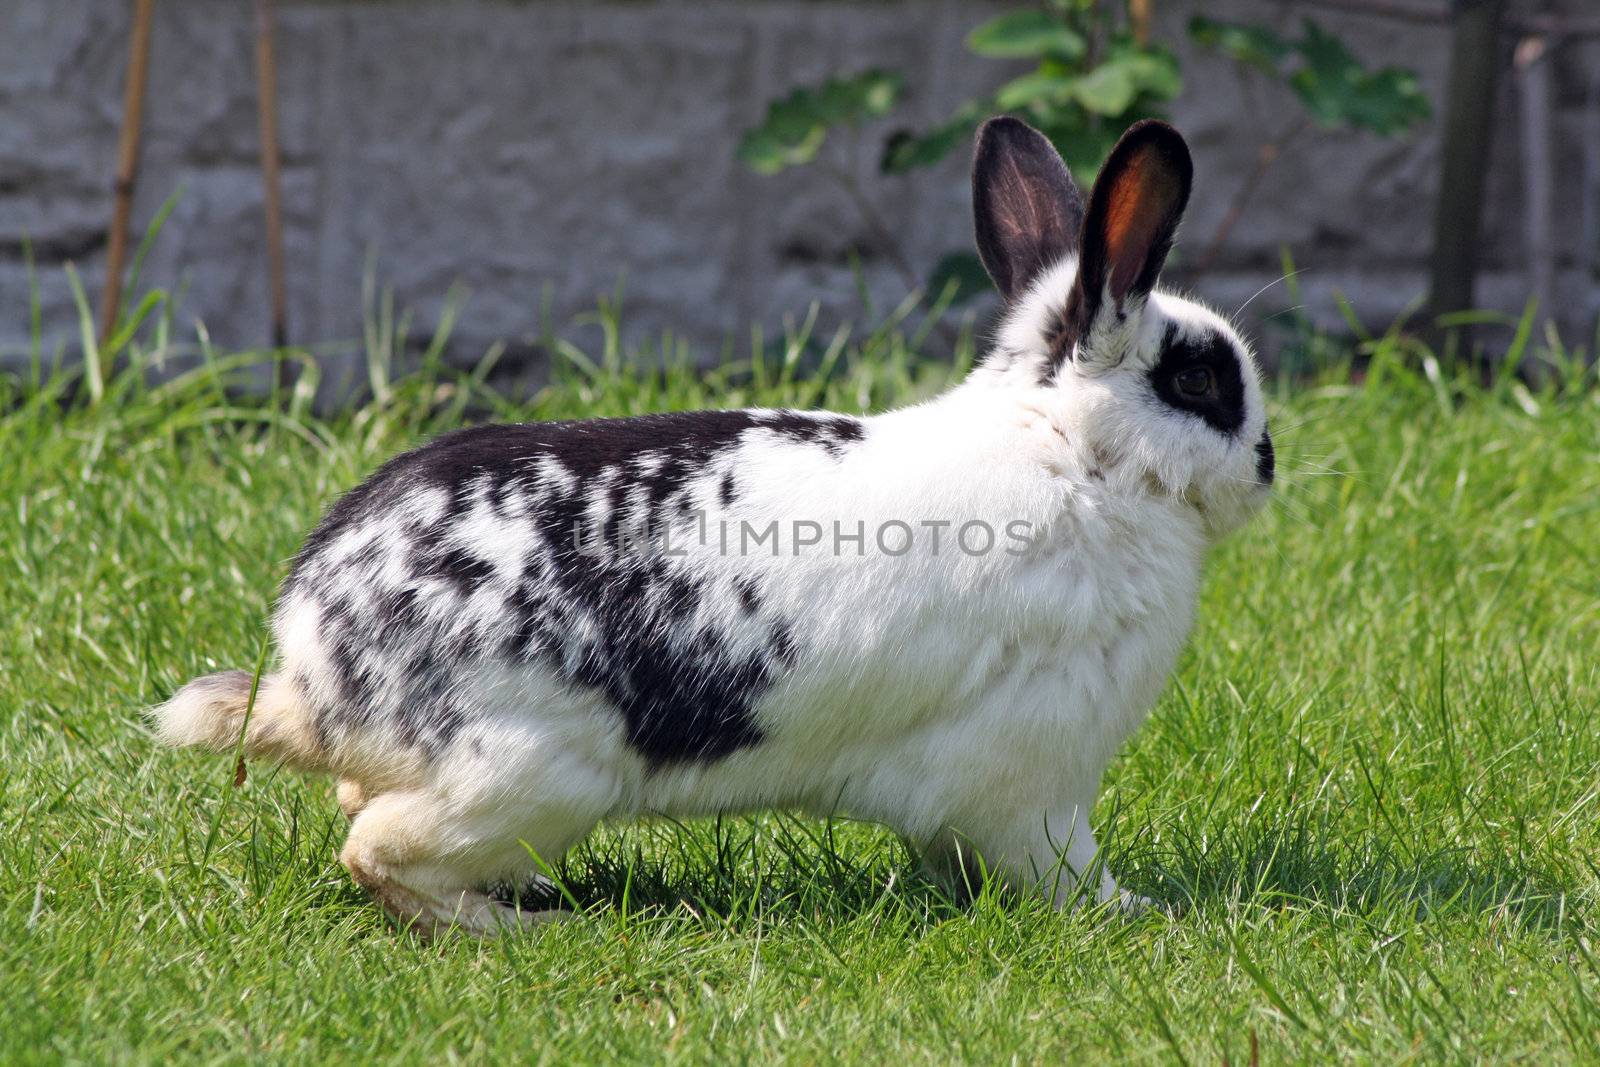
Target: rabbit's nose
1266,461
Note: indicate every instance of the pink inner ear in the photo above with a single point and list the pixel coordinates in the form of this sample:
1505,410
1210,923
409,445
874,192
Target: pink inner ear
1141,206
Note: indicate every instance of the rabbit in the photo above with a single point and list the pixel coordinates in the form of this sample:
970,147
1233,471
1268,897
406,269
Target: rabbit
946,618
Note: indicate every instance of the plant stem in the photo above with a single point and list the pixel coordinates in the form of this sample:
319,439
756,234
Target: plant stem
885,239
875,222
1266,156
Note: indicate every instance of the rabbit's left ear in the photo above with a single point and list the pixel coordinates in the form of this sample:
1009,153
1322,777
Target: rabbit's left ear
1134,211
1026,209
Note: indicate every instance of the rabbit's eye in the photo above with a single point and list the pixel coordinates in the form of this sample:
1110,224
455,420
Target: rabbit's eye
1196,382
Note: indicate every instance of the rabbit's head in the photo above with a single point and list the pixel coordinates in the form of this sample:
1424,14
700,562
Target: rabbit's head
1159,391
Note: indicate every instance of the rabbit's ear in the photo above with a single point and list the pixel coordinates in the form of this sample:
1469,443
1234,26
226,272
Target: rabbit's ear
1134,210
1025,206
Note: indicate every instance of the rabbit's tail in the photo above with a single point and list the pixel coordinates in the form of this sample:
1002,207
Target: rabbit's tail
212,711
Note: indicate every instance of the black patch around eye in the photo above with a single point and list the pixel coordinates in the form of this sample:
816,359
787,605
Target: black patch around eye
1223,407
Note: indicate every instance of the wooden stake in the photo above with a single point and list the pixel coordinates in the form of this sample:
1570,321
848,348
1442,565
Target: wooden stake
1475,58
1535,90
267,110
1589,251
1139,15
127,164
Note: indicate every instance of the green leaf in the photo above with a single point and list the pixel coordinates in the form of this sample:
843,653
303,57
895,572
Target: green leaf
1026,34
1107,89
1032,88
1246,43
906,151
1083,145
869,95
1329,80
1338,91
768,153
1153,70
797,125
1128,75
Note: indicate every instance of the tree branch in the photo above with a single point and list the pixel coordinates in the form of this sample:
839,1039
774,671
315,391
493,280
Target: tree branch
1521,25
1266,156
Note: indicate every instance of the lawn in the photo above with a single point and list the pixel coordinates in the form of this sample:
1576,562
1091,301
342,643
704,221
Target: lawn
1369,794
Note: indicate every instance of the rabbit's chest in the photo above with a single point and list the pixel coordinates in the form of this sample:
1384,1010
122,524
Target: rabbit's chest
1093,641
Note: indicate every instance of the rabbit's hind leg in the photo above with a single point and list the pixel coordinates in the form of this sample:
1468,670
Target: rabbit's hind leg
425,856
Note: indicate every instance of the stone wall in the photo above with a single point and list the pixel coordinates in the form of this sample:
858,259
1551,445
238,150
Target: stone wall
538,152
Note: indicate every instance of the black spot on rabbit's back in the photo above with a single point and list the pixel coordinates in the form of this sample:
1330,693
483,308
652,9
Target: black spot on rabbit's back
453,564
657,453
832,432
681,703
630,624
749,593
686,689
497,459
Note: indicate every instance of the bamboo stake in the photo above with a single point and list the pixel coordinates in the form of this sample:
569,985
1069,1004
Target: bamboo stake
267,110
1139,14
127,164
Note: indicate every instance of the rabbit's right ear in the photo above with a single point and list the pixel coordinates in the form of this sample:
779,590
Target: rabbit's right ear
1026,209
1134,211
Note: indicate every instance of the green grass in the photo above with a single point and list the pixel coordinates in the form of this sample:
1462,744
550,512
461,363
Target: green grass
1371,788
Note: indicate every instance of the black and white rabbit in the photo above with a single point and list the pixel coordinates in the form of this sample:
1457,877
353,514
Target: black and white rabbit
945,618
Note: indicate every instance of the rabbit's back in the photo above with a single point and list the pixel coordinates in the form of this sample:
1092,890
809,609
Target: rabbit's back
527,548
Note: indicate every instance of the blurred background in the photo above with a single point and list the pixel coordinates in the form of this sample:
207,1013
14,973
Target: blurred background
726,164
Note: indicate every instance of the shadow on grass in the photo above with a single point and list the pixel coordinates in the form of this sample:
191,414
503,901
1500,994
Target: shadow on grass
731,870
735,871
1300,866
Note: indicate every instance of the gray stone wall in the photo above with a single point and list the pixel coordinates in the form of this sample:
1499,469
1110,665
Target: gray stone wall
540,152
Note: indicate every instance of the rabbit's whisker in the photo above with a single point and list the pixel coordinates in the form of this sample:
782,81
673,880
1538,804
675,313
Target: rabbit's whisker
1283,278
